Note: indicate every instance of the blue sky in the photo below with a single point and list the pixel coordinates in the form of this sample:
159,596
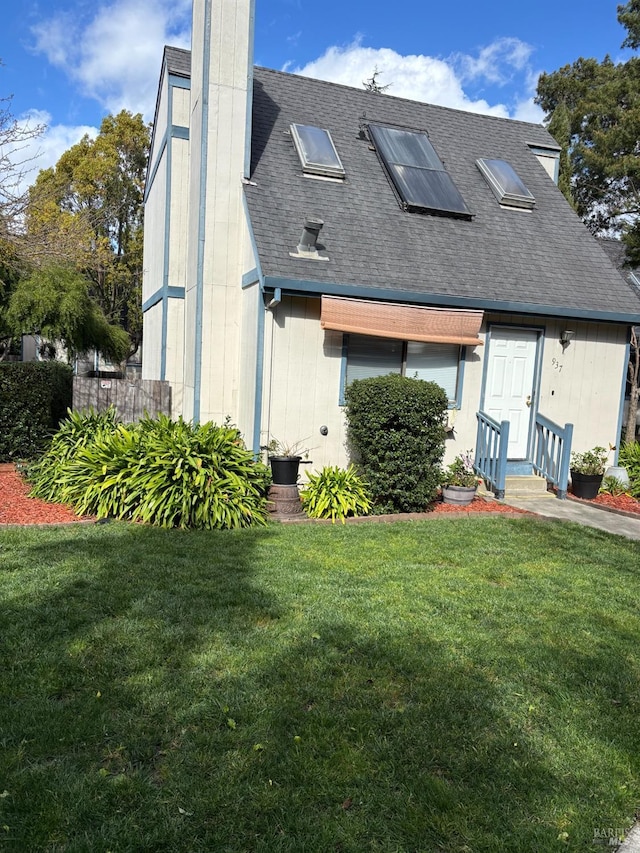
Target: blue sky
68,63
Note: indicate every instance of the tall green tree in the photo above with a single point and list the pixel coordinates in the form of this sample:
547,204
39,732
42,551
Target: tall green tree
87,211
593,109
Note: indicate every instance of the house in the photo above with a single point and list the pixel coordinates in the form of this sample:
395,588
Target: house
300,234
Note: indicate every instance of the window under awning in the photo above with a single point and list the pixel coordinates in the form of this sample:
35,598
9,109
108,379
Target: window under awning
402,322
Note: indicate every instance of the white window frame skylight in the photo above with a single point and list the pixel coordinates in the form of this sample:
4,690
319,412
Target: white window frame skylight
523,198
311,165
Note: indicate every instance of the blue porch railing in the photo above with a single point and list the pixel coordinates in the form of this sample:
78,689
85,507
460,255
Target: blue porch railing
552,452
491,452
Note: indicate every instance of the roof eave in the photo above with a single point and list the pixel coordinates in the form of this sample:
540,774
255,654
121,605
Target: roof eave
308,287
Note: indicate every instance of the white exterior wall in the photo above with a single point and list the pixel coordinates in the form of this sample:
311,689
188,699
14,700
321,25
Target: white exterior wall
174,353
582,385
151,350
154,233
302,365
216,217
302,374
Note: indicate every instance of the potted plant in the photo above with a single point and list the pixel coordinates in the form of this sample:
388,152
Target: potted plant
285,460
459,481
587,471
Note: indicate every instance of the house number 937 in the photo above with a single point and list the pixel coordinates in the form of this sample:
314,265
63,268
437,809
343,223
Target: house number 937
556,364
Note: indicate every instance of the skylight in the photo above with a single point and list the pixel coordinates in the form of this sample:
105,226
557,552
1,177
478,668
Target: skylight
505,183
420,179
316,150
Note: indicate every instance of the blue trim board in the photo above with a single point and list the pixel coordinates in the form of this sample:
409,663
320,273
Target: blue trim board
250,278
172,293
461,365
259,378
306,287
343,369
202,208
623,391
179,82
179,131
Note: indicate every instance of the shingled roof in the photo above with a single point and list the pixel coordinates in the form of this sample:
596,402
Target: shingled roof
543,261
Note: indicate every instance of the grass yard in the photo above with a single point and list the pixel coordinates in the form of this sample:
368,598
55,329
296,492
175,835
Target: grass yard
459,684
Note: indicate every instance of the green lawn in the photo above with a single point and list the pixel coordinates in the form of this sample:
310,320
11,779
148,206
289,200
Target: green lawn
458,684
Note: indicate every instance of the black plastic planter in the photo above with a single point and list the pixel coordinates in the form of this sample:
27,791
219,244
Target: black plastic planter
284,470
585,486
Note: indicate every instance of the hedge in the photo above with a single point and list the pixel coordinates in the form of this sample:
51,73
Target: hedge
34,398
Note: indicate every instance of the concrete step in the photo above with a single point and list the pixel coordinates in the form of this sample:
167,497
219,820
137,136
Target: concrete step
530,486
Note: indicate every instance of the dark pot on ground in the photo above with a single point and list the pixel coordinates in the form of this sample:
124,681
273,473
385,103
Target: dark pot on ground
585,486
284,469
458,495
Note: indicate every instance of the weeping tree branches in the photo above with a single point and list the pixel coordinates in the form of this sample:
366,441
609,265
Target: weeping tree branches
87,212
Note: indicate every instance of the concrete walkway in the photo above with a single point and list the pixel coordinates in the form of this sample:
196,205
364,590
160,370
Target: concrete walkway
582,513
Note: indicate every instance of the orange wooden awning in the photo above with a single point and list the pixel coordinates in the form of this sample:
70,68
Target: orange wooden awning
402,322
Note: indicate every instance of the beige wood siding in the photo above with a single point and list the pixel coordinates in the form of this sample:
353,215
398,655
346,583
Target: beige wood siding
181,107
151,342
302,369
302,381
154,233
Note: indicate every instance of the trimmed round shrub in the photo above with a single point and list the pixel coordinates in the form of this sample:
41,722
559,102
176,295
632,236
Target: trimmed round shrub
396,435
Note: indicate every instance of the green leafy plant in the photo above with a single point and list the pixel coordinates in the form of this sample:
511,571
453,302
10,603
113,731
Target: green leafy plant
590,462
613,486
396,435
335,493
49,474
629,457
460,472
162,472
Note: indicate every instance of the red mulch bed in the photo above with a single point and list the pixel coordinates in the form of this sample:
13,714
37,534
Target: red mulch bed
619,503
16,507
477,505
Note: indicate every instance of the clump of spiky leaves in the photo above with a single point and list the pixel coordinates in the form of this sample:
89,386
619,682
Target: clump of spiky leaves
162,472
199,476
630,458
48,474
336,493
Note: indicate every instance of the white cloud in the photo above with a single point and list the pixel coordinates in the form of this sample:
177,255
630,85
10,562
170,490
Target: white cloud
435,80
45,150
114,56
497,63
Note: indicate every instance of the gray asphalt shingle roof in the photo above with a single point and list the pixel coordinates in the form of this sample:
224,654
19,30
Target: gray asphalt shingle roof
542,261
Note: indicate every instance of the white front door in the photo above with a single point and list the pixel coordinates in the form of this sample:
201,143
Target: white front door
509,386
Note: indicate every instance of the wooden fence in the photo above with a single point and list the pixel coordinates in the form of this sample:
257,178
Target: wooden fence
132,398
